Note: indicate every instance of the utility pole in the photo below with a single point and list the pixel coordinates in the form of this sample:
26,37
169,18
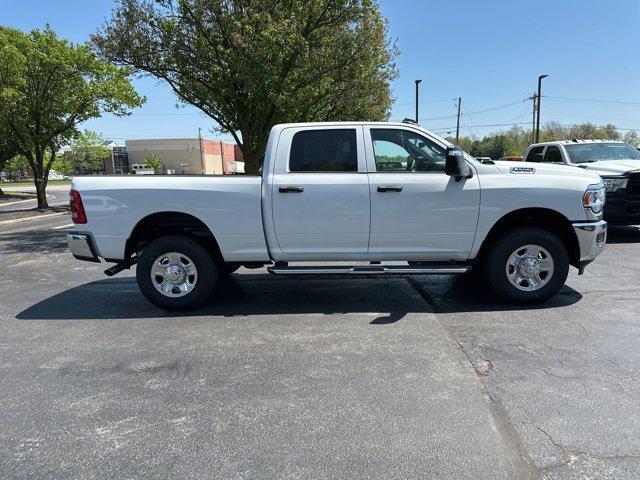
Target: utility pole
458,122
417,117
202,169
540,78
533,121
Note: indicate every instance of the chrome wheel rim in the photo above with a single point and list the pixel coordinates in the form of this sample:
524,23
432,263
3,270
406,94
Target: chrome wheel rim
529,268
174,274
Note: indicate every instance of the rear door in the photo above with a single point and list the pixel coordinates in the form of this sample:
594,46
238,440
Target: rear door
320,193
417,211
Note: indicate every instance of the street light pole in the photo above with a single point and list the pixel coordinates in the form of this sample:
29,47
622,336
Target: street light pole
458,123
539,101
417,117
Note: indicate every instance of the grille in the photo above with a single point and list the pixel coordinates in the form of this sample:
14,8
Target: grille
633,187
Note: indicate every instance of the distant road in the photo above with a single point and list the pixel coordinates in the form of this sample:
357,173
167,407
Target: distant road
58,195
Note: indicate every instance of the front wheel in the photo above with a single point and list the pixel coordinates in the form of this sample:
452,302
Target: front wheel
176,273
526,265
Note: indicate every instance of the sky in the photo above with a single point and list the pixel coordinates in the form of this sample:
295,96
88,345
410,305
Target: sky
488,52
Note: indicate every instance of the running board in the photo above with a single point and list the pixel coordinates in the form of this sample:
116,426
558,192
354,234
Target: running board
369,270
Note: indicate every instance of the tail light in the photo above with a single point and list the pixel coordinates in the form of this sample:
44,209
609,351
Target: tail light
76,207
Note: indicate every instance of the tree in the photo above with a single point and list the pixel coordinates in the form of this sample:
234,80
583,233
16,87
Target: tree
49,86
554,131
7,148
252,64
155,162
17,164
86,154
632,138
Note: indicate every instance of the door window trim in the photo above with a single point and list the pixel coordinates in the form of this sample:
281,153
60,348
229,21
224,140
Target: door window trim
544,155
371,155
291,132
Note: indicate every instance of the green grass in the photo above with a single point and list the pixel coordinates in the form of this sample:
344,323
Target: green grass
22,183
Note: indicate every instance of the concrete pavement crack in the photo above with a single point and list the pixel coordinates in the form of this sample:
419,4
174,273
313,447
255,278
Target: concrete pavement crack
520,461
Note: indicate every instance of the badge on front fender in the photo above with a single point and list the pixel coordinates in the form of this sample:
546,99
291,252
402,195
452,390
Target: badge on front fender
522,170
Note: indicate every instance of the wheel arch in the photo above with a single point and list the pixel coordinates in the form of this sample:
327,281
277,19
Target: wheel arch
545,218
160,224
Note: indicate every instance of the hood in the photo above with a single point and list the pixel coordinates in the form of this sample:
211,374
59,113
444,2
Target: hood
535,168
611,167
552,170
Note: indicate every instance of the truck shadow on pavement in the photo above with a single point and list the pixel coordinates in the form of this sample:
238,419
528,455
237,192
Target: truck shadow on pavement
34,241
623,235
384,300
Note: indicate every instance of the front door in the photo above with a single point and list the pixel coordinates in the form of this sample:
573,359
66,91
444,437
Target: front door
417,211
320,194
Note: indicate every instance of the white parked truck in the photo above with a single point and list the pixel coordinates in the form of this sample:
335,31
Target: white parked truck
384,198
618,164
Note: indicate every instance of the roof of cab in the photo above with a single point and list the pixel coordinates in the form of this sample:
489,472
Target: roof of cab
572,142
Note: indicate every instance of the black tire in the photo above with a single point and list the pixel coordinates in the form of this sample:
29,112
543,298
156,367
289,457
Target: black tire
204,262
497,257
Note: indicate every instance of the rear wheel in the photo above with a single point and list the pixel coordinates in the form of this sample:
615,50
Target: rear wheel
176,273
526,265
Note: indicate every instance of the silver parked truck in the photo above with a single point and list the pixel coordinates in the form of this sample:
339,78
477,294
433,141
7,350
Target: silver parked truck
392,195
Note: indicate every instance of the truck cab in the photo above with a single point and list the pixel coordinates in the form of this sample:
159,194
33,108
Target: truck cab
618,164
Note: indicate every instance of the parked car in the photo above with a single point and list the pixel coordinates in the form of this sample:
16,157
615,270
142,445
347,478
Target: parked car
322,197
484,159
511,158
616,162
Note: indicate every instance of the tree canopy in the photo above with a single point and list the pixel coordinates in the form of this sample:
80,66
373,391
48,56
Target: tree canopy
86,154
155,162
252,64
48,86
515,140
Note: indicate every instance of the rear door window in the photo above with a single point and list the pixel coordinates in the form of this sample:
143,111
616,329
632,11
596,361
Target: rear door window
327,151
552,155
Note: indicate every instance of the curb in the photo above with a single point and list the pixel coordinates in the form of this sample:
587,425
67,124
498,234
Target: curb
21,201
18,220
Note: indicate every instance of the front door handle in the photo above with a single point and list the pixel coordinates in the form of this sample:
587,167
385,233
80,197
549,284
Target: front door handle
390,188
291,189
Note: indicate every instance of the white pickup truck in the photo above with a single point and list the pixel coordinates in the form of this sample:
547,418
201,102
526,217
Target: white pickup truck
618,164
384,198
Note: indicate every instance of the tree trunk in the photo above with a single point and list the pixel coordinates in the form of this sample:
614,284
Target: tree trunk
1,193
253,150
40,174
41,193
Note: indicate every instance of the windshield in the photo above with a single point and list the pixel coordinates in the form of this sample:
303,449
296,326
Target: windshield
594,152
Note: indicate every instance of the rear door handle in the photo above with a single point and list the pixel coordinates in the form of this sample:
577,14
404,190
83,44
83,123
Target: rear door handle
390,188
291,189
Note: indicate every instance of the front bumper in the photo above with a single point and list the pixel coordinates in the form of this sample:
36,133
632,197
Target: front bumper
82,247
592,237
622,209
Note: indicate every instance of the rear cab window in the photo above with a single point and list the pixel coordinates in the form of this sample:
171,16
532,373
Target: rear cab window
553,155
324,151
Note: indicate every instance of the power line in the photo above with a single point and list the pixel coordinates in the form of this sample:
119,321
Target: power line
491,109
422,102
591,100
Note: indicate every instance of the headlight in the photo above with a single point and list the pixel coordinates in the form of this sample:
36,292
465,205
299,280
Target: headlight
593,199
615,183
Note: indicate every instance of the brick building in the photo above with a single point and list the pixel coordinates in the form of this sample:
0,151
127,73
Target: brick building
180,156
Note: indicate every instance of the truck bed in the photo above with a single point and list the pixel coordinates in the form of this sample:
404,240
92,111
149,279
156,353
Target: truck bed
228,205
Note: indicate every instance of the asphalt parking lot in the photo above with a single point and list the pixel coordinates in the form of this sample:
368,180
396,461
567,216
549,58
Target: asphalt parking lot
420,377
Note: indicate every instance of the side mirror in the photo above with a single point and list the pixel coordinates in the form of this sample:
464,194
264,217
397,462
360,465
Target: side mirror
537,157
455,165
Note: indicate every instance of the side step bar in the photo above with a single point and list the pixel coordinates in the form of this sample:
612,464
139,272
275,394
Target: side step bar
369,270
